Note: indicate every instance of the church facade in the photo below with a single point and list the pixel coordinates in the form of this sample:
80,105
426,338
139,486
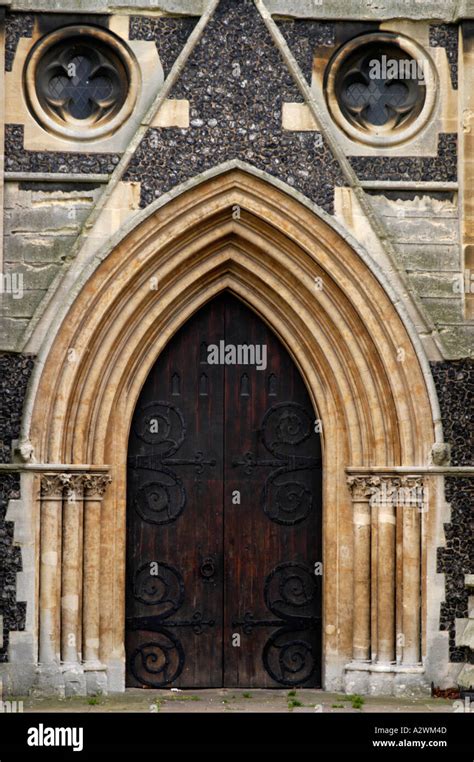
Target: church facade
237,346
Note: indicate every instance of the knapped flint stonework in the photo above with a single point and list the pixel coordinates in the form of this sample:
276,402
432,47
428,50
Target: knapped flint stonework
12,611
441,168
456,560
454,382
455,386
446,36
304,37
236,83
17,159
169,34
15,371
16,25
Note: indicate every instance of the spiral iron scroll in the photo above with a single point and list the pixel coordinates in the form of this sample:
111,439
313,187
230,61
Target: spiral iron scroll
160,661
292,594
285,426
162,499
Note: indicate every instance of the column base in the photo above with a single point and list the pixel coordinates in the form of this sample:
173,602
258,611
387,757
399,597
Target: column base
370,679
96,678
74,679
49,682
70,679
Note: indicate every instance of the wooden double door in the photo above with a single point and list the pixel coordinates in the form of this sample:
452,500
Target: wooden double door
224,512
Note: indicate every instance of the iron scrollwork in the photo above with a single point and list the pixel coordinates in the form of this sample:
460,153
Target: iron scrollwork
162,499
291,593
160,661
285,426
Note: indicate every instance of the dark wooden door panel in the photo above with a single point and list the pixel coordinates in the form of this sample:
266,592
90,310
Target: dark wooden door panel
175,482
272,538
224,515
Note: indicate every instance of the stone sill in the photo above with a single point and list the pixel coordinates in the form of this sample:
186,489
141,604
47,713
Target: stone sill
54,177
461,471
433,10
365,666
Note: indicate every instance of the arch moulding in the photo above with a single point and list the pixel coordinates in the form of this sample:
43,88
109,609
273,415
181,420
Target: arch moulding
237,232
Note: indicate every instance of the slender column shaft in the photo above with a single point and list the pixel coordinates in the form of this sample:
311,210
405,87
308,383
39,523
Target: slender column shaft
362,542
411,571
95,486
71,570
50,574
386,522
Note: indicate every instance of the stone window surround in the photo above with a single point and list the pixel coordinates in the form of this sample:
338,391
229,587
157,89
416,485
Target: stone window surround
414,52
88,34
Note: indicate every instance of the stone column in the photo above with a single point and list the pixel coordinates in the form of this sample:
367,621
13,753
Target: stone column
412,503
71,570
361,490
384,515
95,486
51,491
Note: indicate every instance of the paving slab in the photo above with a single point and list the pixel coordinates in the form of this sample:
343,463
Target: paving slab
235,700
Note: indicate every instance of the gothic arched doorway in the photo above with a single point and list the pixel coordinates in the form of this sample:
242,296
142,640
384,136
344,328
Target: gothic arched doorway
224,538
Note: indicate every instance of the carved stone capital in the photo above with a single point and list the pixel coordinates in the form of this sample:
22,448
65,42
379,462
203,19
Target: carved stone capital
363,487
74,486
96,484
388,489
52,485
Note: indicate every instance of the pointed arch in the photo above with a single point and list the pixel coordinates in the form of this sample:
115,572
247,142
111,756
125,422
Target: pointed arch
308,283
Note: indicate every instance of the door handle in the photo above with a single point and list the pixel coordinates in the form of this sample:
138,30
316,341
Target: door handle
207,570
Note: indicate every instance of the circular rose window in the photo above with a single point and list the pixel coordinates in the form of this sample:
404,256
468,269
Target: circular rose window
81,82
380,88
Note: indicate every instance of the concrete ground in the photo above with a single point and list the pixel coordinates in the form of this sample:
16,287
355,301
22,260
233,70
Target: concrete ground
235,700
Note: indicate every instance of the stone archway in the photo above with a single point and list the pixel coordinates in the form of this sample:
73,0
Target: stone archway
366,381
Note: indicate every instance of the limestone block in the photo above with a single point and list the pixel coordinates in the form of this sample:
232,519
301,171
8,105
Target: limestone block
444,310
435,284
425,257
